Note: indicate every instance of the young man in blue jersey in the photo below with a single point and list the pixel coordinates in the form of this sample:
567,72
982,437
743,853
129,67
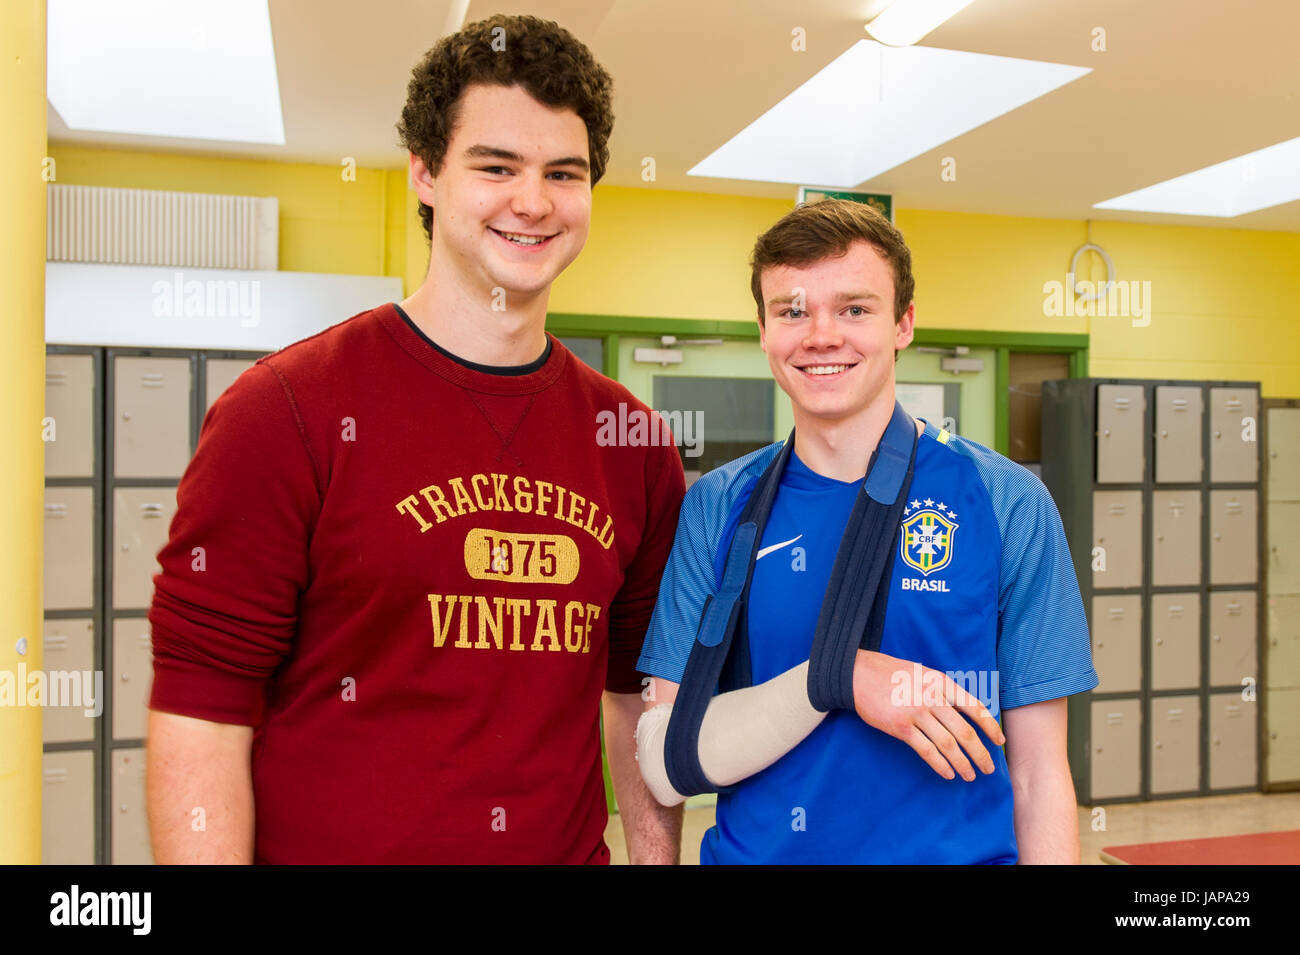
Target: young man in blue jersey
977,583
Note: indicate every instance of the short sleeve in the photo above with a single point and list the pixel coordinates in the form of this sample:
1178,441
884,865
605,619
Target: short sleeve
1044,651
632,608
688,581
224,611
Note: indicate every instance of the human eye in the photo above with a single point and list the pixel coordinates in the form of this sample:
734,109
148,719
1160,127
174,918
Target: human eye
858,311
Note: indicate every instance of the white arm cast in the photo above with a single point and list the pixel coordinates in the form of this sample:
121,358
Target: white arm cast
743,732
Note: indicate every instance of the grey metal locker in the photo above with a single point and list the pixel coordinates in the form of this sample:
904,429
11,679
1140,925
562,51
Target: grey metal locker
151,417
70,649
1117,642
141,519
132,677
1178,434
1175,744
1117,529
1233,537
130,817
68,808
1234,443
1232,741
1116,753
1176,538
1175,641
1121,435
221,374
1284,454
70,403
1282,742
1232,637
1283,555
69,548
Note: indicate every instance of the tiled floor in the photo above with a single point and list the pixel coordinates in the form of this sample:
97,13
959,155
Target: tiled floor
1124,823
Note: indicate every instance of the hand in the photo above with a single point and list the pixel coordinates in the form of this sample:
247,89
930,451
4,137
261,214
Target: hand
920,707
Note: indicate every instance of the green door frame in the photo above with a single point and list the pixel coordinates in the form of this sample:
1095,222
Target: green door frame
610,328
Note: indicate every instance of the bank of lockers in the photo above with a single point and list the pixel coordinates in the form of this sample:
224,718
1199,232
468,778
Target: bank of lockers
1157,484
119,428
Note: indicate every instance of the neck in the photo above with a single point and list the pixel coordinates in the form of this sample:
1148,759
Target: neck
461,318
841,449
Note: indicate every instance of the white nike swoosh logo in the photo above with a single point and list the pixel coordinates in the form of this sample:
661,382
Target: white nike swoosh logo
767,550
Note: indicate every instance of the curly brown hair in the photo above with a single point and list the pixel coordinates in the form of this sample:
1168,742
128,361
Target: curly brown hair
825,229
545,59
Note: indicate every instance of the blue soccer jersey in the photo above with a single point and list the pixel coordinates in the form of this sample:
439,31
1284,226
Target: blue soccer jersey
982,588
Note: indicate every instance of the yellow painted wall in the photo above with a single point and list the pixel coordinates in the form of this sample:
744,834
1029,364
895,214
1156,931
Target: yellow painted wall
1224,301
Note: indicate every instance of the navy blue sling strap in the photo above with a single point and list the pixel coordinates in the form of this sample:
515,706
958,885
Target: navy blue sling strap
852,613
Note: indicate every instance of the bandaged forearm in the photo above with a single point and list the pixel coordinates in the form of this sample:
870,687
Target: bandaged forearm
743,733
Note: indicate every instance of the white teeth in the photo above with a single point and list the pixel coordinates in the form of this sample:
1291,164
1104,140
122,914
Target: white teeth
523,239
825,369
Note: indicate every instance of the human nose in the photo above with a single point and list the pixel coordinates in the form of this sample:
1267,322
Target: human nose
823,330
531,199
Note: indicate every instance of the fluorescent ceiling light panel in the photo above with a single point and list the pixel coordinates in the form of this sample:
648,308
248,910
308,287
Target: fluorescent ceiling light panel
906,21
875,107
194,70
1267,177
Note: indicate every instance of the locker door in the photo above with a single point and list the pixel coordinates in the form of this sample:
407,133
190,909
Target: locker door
1284,454
221,374
69,649
1283,640
69,548
1232,741
1232,458
1116,748
68,808
151,417
1282,744
1232,637
130,821
1178,435
1121,437
1176,538
1233,543
1175,744
1117,642
1175,641
1283,547
1117,529
70,401
141,518
132,677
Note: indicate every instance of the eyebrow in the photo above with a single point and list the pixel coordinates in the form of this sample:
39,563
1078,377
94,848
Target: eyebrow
481,151
843,297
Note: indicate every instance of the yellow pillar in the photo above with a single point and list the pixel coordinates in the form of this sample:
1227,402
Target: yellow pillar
22,402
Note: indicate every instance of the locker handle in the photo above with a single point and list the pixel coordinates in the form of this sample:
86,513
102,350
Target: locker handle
1175,610
1233,507
1116,612
1118,508
1121,402
1232,710
1233,404
1175,714
55,378
55,642
1114,718
1233,608
151,510
56,510
1179,404
152,379
56,775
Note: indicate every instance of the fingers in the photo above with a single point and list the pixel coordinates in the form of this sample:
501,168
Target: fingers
973,708
928,723
928,752
964,736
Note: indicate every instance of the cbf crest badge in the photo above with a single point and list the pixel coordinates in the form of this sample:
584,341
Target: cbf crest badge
929,532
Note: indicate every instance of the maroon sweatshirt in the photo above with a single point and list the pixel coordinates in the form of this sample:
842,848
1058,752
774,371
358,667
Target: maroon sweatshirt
414,579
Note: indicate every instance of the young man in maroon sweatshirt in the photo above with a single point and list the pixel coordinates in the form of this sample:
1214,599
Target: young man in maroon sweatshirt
403,572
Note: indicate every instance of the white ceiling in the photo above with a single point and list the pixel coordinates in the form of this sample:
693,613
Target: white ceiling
1181,86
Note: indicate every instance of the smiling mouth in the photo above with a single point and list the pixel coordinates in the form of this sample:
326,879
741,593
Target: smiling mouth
523,240
822,371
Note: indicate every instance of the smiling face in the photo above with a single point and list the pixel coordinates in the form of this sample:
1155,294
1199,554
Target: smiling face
512,201
830,335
